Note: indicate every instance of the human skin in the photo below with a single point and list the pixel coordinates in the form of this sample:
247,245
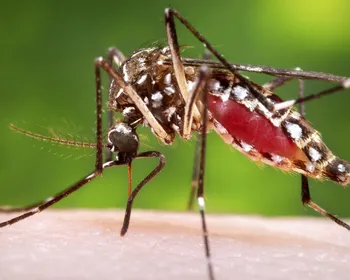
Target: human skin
86,244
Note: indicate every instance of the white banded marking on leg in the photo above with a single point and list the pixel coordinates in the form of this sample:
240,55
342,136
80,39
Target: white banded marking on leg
346,83
254,69
48,199
283,105
201,203
35,210
107,164
90,176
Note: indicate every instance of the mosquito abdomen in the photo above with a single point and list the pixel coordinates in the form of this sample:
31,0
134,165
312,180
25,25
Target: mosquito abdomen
286,141
338,170
251,128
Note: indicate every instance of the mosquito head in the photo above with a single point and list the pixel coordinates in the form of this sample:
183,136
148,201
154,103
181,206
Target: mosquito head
123,139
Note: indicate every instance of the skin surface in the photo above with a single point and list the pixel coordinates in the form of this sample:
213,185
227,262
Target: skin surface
85,244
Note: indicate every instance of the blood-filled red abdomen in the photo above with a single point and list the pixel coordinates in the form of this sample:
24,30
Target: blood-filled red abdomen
251,127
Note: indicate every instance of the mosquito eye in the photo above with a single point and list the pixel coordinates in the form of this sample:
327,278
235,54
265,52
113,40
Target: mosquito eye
123,139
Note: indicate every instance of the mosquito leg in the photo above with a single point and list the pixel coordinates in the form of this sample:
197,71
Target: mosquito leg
305,191
200,89
169,16
37,207
149,177
268,70
306,199
190,110
344,85
99,143
200,189
10,209
52,200
141,106
169,19
277,82
301,95
195,174
114,57
180,77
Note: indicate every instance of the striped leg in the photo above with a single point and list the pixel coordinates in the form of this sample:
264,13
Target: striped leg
114,57
345,84
52,200
39,206
191,113
305,191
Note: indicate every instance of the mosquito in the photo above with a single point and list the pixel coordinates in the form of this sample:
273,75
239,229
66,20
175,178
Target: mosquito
157,88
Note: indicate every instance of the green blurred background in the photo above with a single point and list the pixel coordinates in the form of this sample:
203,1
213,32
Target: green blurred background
47,50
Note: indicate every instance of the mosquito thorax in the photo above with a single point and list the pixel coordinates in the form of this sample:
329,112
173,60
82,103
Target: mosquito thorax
155,82
123,139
